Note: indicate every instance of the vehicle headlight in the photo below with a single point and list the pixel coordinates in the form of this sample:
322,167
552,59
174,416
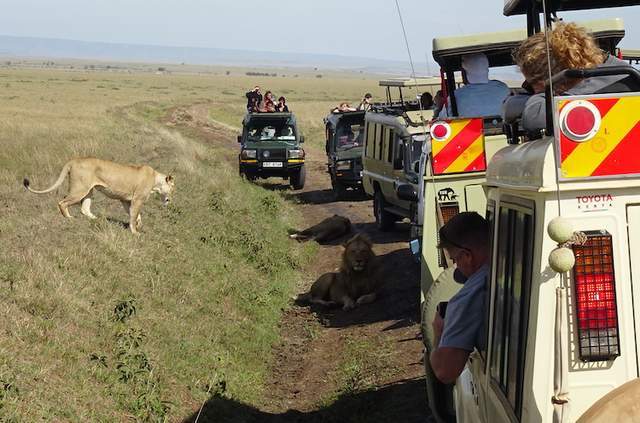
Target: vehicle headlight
248,154
343,165
296,154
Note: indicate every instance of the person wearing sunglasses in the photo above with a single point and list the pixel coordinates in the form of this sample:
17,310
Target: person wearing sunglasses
465,238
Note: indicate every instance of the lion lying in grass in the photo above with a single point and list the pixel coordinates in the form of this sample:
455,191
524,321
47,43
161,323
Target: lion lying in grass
355,282
132,185
329,229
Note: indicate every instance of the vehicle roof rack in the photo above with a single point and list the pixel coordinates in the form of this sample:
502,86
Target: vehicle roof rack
420,81
630,55
498,46
521,7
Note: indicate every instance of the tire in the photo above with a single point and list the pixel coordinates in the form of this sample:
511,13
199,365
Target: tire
384,219
339,190
297,179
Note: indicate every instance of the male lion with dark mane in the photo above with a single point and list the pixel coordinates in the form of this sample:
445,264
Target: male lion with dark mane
355,282
132,185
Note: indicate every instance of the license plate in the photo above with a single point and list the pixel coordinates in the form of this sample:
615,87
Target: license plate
271,164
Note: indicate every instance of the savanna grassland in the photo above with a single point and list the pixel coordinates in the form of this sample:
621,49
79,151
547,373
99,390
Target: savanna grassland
100,325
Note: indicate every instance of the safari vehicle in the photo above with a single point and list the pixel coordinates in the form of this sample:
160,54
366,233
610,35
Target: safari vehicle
562,309
270,146
394,135
454,171
344,132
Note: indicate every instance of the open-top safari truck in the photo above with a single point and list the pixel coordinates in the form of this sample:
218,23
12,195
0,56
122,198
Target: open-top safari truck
562,317
270,146
454,170
344,133
449,190
394,136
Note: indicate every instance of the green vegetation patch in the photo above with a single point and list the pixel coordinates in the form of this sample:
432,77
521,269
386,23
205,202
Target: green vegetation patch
101,325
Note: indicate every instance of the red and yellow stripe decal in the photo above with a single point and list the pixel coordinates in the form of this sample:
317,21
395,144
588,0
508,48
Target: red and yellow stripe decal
615,147
461,150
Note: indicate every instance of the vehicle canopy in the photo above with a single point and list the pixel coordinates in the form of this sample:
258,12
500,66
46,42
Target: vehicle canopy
420,84
497,46
633,56
522,7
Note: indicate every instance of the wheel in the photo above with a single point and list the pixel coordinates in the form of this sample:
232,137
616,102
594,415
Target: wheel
249,177
338,188
384,219
297,179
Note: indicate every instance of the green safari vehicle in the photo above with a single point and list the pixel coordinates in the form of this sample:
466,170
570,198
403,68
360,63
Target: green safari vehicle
270,146
344,133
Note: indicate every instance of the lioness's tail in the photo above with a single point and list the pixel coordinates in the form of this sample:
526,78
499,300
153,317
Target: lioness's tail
63,175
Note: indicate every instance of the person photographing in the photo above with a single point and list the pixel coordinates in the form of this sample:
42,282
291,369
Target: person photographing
465,237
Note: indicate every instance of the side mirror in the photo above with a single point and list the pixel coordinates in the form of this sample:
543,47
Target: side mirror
397,164
240,138
407,192
301,139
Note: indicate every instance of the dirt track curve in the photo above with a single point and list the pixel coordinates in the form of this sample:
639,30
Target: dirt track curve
306,382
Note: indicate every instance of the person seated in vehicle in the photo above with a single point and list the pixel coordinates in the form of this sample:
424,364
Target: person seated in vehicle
254,97
438,103
268,132
286,132
343,107
426,101
365,104
267,104
465,237
571,47
479,96
282,105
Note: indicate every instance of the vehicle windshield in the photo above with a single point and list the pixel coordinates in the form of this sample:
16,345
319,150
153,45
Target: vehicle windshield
412,154
349,136
271,130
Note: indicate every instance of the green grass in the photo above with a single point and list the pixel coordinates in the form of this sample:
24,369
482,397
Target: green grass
208,278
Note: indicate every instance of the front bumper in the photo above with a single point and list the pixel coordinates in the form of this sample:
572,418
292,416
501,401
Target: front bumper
260,169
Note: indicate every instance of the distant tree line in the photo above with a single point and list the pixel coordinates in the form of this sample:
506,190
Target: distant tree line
260,74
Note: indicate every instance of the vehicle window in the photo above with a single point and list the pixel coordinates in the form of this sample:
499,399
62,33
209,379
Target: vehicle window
374,140
380,142
369,137
278,130
412,154
390,145
511,300
349,136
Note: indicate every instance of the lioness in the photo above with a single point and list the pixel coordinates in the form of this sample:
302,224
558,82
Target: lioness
355,282
330,228
130,184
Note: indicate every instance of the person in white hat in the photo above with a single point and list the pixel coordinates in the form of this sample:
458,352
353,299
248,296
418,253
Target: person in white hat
479,96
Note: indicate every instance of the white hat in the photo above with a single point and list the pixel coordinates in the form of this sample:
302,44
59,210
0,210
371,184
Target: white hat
476,67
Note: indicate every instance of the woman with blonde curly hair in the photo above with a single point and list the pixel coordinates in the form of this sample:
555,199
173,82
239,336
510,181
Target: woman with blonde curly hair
571,47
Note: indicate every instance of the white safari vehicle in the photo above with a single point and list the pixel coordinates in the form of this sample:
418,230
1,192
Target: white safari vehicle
394,136
453,176
563,310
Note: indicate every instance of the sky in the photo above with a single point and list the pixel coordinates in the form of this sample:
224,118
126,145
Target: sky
366,28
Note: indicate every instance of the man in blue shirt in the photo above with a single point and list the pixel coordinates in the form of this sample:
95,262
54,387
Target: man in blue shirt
465,237
480,96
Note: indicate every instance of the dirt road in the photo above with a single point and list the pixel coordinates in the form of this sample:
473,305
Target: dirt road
363,365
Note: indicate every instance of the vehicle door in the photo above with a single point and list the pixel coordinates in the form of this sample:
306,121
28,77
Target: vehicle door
508,301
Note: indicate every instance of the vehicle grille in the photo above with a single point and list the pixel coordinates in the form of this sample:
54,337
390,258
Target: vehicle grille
274,153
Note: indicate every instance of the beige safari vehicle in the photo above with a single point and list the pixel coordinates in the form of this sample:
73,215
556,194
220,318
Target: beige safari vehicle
394,136
454,171
562,308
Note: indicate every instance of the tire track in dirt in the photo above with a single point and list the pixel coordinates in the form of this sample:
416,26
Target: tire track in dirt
304,382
